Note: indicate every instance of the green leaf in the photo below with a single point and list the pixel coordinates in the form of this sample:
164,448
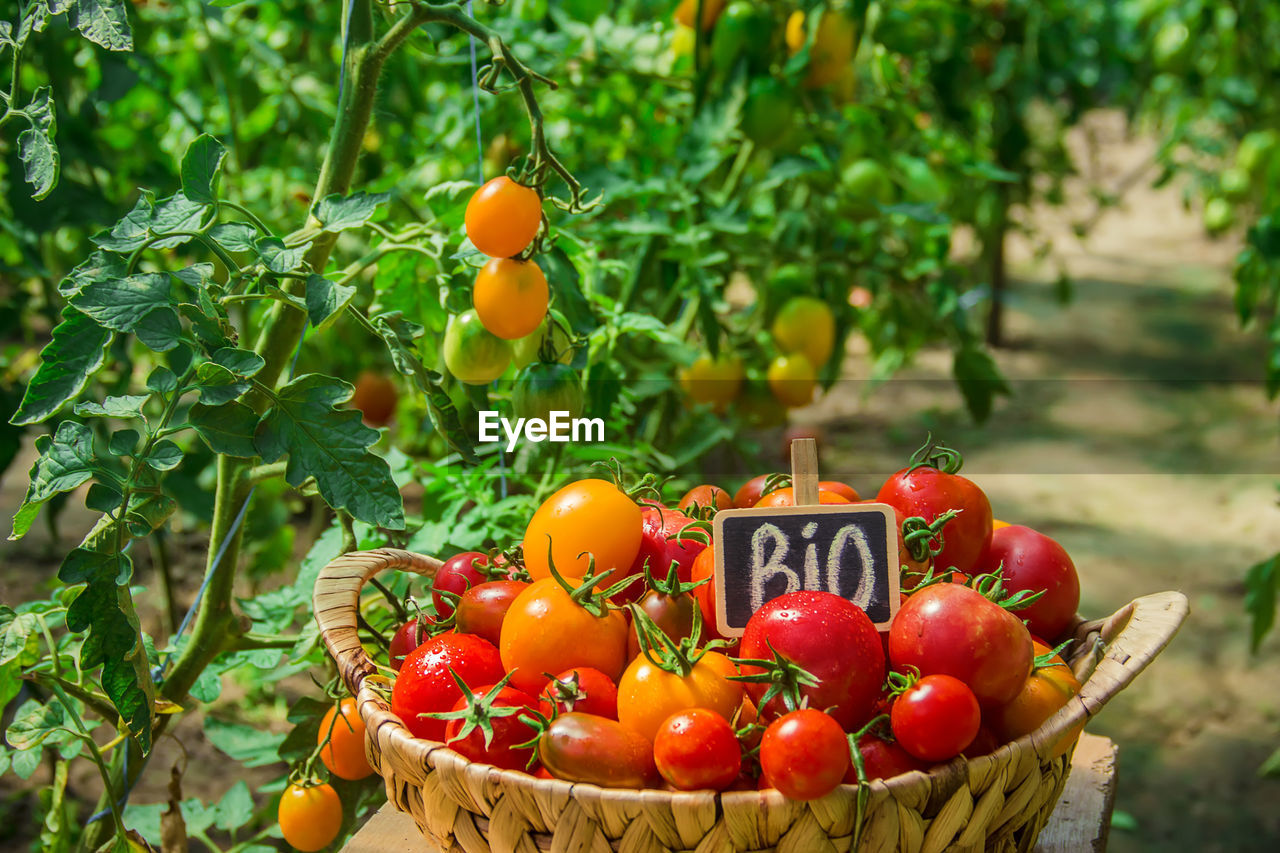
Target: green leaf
34,724
127,406
103,22
1270,768
331,445
1261,583
77,351
979,379
234,236
250,746
123,304
165,455
235,809
104,608
66,461
103,497
176,213
242,362
36,149
217,384
228,428
200,167
99,265
338,213
133,229
276,257
208,686
19,637
123,442
162,380
326,300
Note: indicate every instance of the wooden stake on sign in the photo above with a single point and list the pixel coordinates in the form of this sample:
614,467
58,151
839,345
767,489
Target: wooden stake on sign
804,471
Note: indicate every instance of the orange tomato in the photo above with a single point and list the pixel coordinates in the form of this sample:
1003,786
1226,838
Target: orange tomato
375,396
751,491
704,568
344,753
503,217
845,491
706,495
1046,690
996,524
787,497
688,10
586,517
511,297
310,817
648,694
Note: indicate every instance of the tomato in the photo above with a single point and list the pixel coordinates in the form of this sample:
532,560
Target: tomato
581,689
697,750
715,381
928,492
792,379
1034,562
503,217
375,396
554,335
743,31
1048,689
882,759
483,608
935,718
458,574
344,754
541,389
472,353
844,490
1219,215
547,631
704,568
648,694
310,816
832,49
663,527
596,750
866,185
1255,151
805,325
768,116
751,491
687,11
996,524
407,637
984,742
670,607
587,517
804,627
510,297
507,730
706,495
949,629
860,297
787,497
804,754
426,686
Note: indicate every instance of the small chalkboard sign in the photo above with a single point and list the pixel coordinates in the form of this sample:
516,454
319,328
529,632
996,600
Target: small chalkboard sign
847,549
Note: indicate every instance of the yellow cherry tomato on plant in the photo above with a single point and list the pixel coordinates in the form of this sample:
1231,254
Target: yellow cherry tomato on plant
805,325
510,297
503,217
648,694
792,380
589,517
714,381
344,754
310,817
688,10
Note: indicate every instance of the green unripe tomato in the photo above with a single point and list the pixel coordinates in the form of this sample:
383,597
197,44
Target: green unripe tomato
864,185
543,388
471,352
768,114
1219,215
1255,151
1234,183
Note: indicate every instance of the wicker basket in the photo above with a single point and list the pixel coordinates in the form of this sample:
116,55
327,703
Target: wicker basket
997,802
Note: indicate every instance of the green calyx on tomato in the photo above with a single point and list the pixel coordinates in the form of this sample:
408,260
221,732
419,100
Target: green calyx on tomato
584,595
647,487
677,658
785,678
936,455
923,538
543,388
553,340
479,712
991,586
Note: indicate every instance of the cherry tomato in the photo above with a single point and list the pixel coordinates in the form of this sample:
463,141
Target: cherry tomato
661,544
804,754
704,568
458,574
586,517
546,631
647,694
672,613
375,396
585,748
541,389
996,524
344,753
502,749
407,637
696,750
804,627
751,491
581,689
935,718
882,759
844,490
483,608
949,629
706,495
472,353
805,325
425,686
687,11
1048,689
714,381
832,49
787,497
928,493
1033,561
310,817
503,217
792,379
510,297
769,114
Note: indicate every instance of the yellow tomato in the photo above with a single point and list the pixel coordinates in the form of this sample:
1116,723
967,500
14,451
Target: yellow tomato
716,381
792,380
805,325
688,9
586,518
648,695
833,46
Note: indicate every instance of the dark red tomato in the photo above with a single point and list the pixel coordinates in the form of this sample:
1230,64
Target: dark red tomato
484,606
949,629
883,759
927,492
581,689
706,495
696,750
1033,561
804,754
458,574
804,627
935,718
585,748
508,731
672,613
407,637
425,686
659,548
751,492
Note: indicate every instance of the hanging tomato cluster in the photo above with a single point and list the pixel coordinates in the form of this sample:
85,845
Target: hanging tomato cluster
589,653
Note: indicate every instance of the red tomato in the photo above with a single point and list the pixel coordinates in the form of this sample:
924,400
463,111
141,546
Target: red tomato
805,627
589,517
883,759
425,685
458,574
581,689
928,493
804,754
787,497
674,614
949,629
660,547
1033,561
508,731
696,750
585,748
935,718
706,495
751,491
844,490
375,396
482,608
503,217
407,637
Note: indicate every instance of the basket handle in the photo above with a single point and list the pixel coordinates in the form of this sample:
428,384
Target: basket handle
1134,635
337,601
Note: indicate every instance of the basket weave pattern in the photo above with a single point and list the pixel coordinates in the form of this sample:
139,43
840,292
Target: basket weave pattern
998,802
